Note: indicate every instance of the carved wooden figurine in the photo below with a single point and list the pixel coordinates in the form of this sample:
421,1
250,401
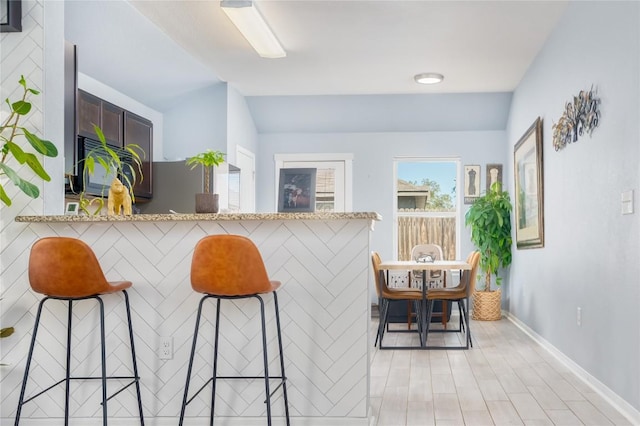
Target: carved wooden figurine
119,199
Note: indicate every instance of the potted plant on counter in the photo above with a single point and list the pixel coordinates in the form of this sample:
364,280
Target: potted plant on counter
490,220
9,131
114,167
207,201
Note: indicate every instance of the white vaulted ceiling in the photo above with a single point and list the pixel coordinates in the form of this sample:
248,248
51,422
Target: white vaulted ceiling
333,46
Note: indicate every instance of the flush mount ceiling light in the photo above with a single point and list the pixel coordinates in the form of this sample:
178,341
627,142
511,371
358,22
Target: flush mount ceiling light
252,26
428,78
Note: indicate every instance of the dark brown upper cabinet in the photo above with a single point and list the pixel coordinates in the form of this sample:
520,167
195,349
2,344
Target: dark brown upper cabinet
139,131
120,128
110,118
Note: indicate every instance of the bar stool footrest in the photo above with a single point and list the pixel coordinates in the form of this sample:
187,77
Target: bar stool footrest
282,382
135,379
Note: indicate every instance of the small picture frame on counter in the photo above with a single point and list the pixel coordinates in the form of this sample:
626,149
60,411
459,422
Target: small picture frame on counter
72,208
297,190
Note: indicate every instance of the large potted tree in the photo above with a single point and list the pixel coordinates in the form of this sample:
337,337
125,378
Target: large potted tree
490,221
207,202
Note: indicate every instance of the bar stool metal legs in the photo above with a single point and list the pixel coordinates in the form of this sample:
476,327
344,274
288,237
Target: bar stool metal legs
135,379
213,380
284,377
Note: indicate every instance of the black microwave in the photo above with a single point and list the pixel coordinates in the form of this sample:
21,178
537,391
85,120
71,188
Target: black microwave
99,182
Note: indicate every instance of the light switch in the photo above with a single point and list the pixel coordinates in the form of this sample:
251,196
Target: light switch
627,202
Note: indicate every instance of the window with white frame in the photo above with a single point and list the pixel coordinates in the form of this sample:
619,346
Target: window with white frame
427,209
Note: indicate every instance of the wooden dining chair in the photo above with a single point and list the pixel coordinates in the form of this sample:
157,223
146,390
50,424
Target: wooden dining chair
386,295
432,279
459,294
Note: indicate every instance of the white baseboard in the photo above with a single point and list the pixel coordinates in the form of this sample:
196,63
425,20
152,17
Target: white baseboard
600,388
199,421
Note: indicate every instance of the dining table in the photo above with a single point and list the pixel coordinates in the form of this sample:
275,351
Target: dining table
436,265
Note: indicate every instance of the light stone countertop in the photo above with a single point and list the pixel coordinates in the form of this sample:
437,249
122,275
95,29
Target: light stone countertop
199,217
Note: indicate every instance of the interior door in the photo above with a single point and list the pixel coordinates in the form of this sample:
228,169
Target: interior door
246,161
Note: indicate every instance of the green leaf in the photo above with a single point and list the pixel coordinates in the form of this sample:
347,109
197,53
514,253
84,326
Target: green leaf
43,146
6,332
21,107
89,164
4,197
100,134
17,152
133,149
27,187
34,164
23,82
34,91
115,159
106,166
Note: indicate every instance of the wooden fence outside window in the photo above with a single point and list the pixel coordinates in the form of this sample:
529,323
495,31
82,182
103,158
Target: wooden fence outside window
414,230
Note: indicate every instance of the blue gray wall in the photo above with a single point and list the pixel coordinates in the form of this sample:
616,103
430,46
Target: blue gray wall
241,131
196,121
373,167
590,258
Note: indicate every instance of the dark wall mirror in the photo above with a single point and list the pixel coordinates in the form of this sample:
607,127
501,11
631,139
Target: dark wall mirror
10,16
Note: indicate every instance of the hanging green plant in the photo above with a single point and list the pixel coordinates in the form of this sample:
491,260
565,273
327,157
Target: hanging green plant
10,131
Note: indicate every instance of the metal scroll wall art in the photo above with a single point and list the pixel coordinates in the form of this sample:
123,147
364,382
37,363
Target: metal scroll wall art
580,116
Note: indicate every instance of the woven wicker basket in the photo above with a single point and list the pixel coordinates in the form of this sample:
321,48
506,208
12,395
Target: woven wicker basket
486,305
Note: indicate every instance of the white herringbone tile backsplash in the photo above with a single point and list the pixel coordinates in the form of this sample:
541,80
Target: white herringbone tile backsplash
323,267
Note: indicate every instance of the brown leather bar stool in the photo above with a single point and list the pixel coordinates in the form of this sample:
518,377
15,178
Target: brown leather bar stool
230,267
66,269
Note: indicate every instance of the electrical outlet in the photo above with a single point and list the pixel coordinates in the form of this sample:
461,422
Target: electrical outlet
579,316
166,348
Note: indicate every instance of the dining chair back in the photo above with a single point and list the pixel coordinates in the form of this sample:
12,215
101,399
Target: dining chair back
387,295
427,252
459,294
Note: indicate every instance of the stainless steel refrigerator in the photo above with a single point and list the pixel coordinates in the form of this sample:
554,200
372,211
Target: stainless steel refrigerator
174,188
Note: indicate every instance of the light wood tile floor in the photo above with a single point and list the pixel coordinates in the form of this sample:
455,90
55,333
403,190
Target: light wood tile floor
506,379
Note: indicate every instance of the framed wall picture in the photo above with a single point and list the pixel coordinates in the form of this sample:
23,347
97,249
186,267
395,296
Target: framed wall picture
297,190
10,16
494,174
471,183
529,206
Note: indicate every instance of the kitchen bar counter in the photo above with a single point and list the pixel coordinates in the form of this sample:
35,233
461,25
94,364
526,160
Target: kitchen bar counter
322,260
180,217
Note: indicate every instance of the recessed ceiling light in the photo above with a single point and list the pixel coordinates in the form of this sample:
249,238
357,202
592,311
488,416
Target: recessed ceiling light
428,78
